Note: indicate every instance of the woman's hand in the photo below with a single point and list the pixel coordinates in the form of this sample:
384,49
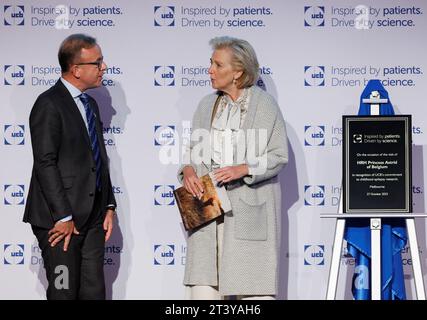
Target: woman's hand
227,174
192,182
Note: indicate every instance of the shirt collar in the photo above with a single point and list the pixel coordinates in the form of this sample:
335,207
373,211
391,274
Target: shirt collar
72,89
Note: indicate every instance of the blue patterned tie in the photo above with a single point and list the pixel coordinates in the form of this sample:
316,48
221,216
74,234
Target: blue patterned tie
90,117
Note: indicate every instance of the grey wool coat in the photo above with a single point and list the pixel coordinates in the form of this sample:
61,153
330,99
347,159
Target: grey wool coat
252,229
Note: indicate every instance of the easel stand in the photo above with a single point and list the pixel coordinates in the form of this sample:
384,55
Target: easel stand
375,224
375,252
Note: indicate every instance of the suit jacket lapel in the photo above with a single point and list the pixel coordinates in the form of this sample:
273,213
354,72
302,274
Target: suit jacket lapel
99,130
70,105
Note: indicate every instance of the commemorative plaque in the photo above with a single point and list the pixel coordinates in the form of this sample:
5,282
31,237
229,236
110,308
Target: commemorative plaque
377,164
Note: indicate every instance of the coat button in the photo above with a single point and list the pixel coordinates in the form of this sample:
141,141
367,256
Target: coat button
93,169
91,194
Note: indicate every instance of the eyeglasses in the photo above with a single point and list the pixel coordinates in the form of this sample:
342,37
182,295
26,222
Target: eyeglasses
98,63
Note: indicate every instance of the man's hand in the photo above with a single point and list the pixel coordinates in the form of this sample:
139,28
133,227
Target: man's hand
60,231
227,174
108,224
192,182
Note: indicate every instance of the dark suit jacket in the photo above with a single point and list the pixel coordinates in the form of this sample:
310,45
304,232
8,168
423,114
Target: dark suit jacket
63,179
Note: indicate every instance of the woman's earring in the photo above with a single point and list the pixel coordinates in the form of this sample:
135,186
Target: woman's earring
234,81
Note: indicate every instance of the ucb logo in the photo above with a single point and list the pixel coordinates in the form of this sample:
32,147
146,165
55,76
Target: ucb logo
163,195
164,16
13,254
14,135
314,135
164,135
314,195
314,76
14,194
14,75
314,16
13,15
314,255
357,138
164,254
164,76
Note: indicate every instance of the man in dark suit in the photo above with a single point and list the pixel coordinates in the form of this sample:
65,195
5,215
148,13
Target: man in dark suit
70,203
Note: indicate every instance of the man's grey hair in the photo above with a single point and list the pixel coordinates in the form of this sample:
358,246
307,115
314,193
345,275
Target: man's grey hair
243,58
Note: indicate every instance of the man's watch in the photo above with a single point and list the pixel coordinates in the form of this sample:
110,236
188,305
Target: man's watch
111,207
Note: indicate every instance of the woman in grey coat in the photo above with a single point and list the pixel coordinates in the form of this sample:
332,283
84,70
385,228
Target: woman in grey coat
245,135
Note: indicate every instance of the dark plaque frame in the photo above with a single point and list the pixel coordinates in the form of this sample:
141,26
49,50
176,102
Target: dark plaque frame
377,164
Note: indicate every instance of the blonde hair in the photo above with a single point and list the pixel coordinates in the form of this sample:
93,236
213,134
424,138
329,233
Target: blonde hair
243,58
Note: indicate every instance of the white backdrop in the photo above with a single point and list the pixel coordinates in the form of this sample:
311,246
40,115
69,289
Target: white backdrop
315,58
